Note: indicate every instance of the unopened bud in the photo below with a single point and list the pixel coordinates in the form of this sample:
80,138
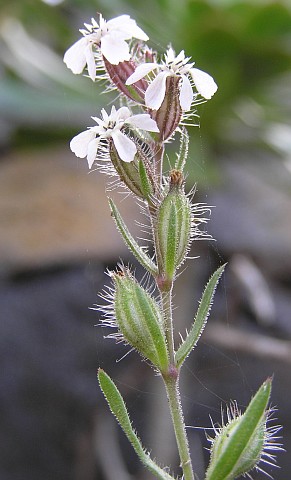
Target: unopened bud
252,454
245,441
173,226
168,116
139,319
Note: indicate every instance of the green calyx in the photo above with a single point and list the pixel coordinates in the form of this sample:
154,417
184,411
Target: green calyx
239,445
173,226
136,175
139,319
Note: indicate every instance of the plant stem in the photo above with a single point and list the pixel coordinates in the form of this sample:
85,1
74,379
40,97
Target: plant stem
171,380
166,297
172,387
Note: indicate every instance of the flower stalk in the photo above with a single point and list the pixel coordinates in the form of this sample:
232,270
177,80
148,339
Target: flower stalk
157,94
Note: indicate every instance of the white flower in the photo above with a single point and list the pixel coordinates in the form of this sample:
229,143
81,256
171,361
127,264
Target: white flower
86,143
174,66
110,36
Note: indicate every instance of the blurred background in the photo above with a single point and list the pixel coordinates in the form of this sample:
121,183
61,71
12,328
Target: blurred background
57,238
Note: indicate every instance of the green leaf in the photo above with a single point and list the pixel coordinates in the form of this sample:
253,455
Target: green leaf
119,410
233,455
133,246
200,318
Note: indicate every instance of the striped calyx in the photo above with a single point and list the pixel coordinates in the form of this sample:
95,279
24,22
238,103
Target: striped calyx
169,114
139,319
119,74
173,227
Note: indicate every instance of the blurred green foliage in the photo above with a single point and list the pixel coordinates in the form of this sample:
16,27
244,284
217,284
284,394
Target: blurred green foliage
245,45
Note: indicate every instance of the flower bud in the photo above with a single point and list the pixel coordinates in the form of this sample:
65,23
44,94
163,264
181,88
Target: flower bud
169,114
173,226
139,319
252,454
245,441
136,175
120,73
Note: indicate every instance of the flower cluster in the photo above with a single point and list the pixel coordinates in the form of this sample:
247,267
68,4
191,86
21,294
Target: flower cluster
163,91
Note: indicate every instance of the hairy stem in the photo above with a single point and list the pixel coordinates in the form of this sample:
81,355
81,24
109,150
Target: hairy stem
171,381
166,297
172,387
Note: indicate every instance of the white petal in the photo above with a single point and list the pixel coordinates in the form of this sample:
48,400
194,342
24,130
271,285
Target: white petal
79,144
186,94
122,113
125,147
90,62
143,121
140,72
155,93
92,151
114,49
117,22
204,83
75,58
127,25
136,31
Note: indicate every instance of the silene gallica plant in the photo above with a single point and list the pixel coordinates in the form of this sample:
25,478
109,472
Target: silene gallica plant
157,100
